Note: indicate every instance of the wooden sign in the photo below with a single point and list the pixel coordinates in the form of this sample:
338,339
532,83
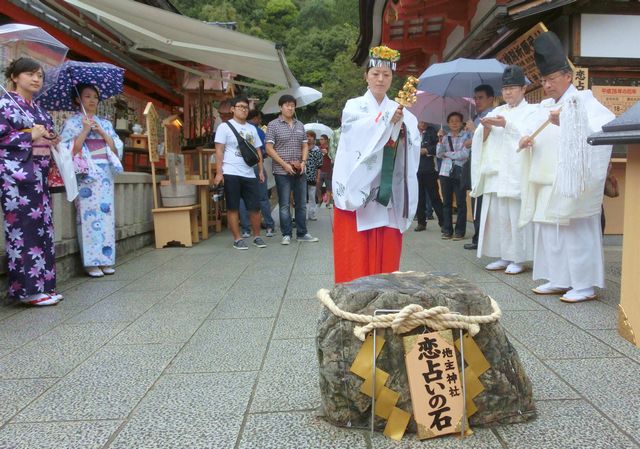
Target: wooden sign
520,52
617,98
152,131
434,383
581,78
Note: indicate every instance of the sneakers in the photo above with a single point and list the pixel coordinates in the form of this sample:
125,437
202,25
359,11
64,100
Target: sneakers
259,242
108,270
269,232
39,299
239,244
446,237
313,218
458,237
498,265
307,238
286,240
94,272
420,228
245,235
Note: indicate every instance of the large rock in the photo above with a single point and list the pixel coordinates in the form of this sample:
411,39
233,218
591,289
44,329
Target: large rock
507,397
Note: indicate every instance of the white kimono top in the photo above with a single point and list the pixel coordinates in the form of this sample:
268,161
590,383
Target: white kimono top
496,165
366,128
540,201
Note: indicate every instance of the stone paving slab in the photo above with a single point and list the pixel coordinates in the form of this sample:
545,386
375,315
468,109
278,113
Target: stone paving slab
566,425
59,435
289,378
189,411
208,347
225,345
57,352
107,386
297,430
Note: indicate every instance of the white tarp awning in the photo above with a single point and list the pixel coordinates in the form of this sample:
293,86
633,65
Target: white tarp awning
158,31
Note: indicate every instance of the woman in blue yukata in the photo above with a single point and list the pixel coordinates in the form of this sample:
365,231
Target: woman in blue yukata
99,149
26,136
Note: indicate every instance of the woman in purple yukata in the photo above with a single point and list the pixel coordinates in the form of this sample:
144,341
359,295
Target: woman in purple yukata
94,139
26,133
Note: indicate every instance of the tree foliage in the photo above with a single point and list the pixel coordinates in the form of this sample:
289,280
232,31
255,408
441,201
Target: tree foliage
319,37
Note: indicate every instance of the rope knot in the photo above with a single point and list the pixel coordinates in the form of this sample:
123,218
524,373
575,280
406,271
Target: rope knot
410,317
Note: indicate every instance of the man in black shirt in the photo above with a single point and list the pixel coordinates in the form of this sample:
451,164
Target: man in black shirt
428,177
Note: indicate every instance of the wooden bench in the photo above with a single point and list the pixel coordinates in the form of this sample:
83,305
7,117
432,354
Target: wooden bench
176,226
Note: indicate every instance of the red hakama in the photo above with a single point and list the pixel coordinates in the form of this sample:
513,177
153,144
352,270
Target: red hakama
357,254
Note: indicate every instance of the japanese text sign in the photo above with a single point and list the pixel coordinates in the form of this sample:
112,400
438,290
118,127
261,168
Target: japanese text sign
434,383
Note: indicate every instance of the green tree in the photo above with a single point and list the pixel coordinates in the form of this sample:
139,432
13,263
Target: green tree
278,19
316,13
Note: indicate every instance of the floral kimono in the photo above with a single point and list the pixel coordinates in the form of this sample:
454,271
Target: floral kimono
26,202
95,217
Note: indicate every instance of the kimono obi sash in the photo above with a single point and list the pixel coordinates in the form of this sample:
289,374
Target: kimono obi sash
98,149
41,147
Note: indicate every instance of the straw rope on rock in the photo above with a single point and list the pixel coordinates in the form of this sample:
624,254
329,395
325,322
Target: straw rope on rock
410,317
426,300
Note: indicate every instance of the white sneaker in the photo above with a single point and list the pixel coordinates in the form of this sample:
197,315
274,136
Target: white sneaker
286,240
498,265
579,295
514,268
269,232
246,235
307,238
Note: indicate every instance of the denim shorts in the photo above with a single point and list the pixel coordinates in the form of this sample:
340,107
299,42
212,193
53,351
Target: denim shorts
236,187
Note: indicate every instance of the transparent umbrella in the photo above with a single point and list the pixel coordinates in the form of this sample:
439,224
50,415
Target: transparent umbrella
18,40
303,95
434,109
319,129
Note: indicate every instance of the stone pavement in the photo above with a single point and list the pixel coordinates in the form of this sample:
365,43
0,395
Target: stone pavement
210,347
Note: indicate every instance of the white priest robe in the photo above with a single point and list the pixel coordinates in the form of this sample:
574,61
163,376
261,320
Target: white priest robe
366,128
496,175
568,236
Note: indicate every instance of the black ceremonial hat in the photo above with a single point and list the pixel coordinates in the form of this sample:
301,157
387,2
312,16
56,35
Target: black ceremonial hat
513,75
549,54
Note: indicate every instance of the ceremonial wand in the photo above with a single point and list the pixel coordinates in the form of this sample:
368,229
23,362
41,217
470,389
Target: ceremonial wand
539,130
407,95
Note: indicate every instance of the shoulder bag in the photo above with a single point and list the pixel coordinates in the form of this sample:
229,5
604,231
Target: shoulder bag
248,151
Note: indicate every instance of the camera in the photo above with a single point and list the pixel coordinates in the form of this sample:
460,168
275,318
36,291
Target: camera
217,192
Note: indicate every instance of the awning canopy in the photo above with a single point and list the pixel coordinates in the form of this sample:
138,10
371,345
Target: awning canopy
179,38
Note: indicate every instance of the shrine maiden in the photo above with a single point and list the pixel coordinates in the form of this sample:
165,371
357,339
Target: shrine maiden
374,178
564,180
496,175
97,151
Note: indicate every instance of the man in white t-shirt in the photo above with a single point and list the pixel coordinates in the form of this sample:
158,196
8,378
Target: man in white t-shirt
238,177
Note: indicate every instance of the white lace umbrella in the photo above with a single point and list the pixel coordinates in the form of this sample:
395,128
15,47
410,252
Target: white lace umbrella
319,129
303,95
